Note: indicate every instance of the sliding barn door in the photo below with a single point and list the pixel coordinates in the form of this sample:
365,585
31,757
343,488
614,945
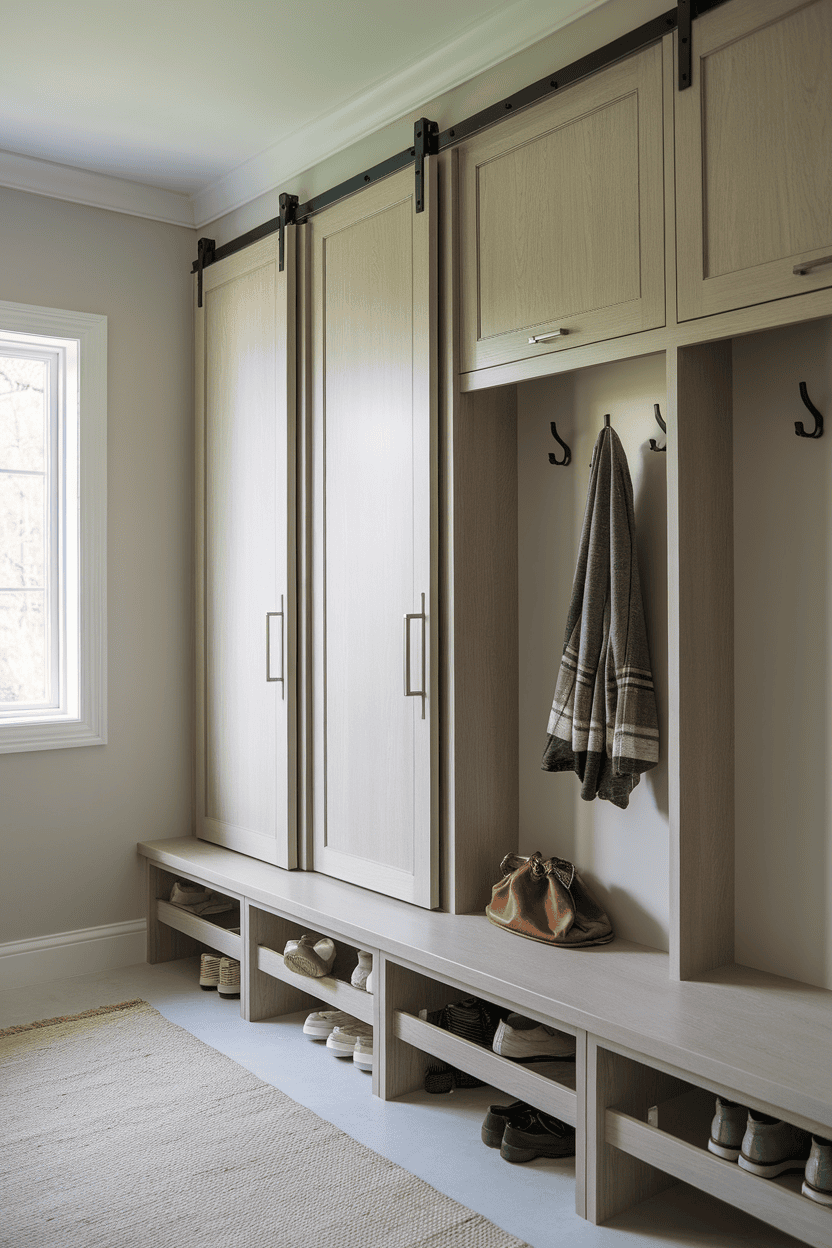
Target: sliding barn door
373,428
245,555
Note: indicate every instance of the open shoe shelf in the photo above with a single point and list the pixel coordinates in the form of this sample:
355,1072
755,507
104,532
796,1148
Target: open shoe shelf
553,1091
675,1144
198,928
334,992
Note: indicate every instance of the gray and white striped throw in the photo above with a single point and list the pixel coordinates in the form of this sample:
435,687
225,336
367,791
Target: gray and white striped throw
603,724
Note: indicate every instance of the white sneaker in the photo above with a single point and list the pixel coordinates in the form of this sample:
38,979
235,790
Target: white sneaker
369,984
309,957
362,1054
359,977
342,1040
320,1023
229,985
524,1040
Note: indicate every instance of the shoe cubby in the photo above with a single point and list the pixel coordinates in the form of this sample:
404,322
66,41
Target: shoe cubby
648,1129
274,988
176,933
411,1041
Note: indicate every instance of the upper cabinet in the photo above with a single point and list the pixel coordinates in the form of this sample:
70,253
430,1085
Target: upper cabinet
561,220
372,302
245,556
754,156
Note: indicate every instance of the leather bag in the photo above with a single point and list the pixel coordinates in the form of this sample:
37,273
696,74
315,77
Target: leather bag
546,900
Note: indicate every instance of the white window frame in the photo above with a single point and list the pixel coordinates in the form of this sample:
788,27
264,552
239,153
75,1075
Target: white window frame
79,713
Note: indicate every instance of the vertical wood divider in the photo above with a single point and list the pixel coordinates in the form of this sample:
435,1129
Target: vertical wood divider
398,1067
701,657
614,1180
581,1124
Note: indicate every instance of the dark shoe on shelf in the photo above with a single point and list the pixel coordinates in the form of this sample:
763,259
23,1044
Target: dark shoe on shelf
536,1134
817,1182
470,1019
497,1119
727,1129
771,1147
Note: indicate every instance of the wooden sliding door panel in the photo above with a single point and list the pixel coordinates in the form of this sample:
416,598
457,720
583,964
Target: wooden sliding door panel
245,542
754,156
561,219
373,431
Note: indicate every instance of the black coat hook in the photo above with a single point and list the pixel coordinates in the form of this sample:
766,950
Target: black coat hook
817,432
567,454
654,446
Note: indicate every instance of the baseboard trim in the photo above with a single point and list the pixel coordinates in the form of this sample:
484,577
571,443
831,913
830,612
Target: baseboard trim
65,954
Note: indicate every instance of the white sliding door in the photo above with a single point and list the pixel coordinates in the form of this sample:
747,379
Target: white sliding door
373,430
245,551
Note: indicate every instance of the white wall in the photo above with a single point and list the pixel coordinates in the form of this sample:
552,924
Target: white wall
70,819
622,855
783,676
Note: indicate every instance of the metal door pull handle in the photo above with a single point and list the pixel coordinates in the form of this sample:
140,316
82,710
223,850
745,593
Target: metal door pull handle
414,615
808,265
270,615
556,333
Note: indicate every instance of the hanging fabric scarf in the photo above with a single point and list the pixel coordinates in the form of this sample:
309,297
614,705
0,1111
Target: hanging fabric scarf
603,724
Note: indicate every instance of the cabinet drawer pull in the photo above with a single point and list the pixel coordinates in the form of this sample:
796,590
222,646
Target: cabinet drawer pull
556,333
270,615
414,615
808,265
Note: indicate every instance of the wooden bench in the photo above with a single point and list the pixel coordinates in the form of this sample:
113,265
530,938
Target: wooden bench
643,1041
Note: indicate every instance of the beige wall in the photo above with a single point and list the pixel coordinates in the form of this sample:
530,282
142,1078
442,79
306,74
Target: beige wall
70,819
623,855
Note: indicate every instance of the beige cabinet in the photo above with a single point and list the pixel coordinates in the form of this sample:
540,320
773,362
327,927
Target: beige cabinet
372,436
245,556
561,220
754,156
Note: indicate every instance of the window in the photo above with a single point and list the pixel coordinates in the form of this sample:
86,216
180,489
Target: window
53,510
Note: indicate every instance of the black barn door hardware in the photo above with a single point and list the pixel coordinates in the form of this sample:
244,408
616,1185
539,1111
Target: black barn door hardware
817,432
684,11
432,143
205,249
567,454
425,135
654,446
288,208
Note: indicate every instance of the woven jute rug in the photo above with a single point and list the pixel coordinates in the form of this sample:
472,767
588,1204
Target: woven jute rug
122,1130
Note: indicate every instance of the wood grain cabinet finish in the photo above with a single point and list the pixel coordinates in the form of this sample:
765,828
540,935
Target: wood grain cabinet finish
372,303
561,219
754,156
245,556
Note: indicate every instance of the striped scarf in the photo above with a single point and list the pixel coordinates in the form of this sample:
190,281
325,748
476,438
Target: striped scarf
603,724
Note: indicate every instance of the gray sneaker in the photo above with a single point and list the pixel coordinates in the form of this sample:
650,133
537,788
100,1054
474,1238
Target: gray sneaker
727,1129
770,1147
817,1184
524,1040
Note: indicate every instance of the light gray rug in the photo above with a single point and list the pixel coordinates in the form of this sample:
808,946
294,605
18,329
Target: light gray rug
122,1130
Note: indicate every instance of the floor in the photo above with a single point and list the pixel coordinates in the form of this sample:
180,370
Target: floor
434,1137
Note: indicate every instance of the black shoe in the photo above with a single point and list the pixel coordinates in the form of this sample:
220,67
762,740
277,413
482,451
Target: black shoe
472,1020
537,1135
497,1119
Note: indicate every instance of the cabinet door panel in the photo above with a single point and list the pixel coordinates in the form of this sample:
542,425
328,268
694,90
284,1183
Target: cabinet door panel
754,156
245,557
561,219
373,286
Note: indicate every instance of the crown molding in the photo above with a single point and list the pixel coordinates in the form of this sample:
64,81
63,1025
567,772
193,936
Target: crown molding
95,190
473,52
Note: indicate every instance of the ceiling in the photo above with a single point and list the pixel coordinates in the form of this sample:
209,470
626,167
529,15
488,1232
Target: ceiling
212,104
